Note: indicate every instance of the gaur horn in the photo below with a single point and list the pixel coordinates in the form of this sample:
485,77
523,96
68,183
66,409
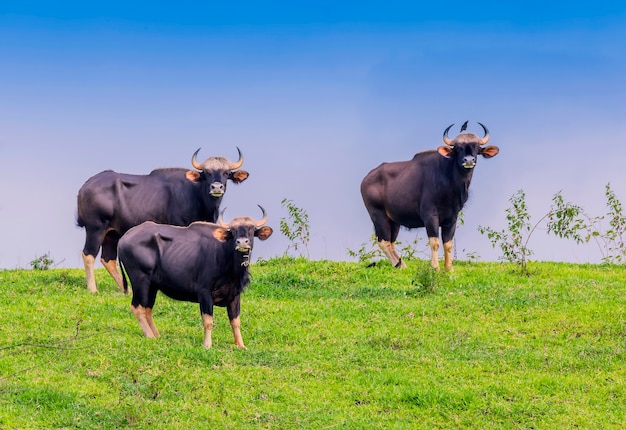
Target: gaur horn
239,163
446,139
485,138
220,221
194,162
263,220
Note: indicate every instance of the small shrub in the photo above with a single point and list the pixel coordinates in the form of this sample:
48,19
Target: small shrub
565,220
426,278
368,251
409,251
43,262
513,241
570,221
614,236
296,228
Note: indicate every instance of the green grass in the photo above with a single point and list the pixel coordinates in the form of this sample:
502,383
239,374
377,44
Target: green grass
330,345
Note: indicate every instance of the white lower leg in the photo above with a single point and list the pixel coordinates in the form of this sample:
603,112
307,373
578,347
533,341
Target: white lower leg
390,251
140,314
236,325
402,264
89,261
433,242
207,322
447,255
155,332
111,267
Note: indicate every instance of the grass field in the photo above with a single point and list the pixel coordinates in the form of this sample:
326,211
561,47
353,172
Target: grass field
330,345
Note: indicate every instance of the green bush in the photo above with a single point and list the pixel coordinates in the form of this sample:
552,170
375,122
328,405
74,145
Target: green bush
43,262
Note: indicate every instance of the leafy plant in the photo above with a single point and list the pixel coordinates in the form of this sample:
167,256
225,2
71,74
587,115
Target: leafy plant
295,227
43,262
570,221
367,251
513,241
409,251
564,220
426,279
614,236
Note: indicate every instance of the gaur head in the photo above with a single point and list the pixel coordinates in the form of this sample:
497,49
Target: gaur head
466,147
215,172
242,231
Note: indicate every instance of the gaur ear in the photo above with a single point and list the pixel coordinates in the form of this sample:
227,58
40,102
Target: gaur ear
263,232
193,176
489,151
238,176
445,150
221,234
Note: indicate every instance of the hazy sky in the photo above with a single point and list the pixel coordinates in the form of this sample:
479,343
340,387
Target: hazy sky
315,94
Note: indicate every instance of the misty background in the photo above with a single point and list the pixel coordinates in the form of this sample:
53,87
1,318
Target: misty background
315,95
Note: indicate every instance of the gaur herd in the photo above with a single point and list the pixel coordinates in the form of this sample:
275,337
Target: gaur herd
169,233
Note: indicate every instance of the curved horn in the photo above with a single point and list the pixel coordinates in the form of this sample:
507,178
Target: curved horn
239,163
220,220
194,162
446,139
263,220
486,137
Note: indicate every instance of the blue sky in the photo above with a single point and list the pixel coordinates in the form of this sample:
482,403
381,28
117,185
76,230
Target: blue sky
315,94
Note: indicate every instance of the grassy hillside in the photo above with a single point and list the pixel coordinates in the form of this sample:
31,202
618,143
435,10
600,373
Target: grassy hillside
330,345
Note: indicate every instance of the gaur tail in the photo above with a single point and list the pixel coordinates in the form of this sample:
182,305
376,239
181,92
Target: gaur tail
124,280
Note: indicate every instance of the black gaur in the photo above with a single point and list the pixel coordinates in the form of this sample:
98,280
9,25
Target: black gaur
426,191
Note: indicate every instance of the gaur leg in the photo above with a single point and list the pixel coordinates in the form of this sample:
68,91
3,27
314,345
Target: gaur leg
387,233
151,299
390,251
141,313
432,231
155,331
447,234
433,242
447,255
144,296
233,310
93,242
386,247
206,310
207,323
235,323
89,262
109,257
395,229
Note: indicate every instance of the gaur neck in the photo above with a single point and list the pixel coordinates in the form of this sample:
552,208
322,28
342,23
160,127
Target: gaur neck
241,263
460,179
211,209
459,174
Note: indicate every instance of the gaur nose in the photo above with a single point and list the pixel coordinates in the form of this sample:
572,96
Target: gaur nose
217,187
469,159
242,241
